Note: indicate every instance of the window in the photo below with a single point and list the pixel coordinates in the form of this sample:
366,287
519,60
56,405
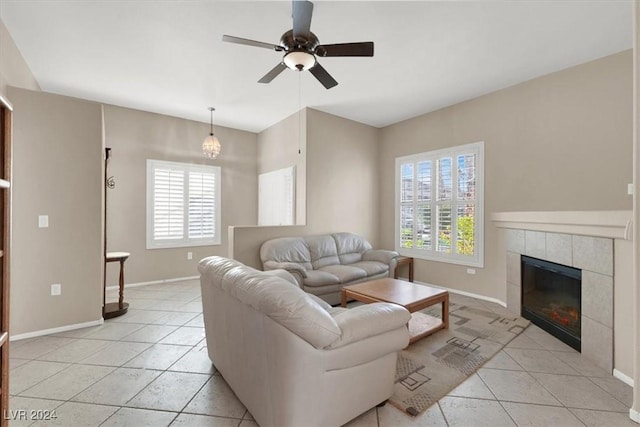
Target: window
183,205
439,205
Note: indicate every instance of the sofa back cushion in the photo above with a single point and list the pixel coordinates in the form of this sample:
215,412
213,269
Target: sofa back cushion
350,247
274,296
323,250
286,249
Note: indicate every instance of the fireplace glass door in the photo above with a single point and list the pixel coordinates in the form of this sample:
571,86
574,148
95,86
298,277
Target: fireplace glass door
551,298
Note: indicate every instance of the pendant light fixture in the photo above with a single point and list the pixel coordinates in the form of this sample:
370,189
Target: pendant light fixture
211,145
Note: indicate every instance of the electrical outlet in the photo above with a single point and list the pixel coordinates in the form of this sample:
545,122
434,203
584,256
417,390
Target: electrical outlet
56,289
189,255
43,221
471,271
630,189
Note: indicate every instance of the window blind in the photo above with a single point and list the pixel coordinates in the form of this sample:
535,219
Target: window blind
183,204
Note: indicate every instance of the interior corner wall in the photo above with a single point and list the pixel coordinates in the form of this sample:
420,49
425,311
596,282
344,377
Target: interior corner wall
135,136
14,70
283,145
57,171
634,412
342,176
558,142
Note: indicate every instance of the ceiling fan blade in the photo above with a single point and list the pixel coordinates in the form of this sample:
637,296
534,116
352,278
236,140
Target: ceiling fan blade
345,49
240,40
323,76
302,12
273,73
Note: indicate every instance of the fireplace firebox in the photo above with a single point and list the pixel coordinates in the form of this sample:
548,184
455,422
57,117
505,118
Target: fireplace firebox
551,298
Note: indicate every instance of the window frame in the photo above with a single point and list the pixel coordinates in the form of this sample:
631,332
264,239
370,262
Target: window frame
477,260
185,241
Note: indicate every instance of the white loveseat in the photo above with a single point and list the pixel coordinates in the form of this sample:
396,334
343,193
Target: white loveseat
292,359
323,264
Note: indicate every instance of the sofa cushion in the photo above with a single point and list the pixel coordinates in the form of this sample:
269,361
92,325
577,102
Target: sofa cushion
283,274
320,278
345,273
371,267
350,247
323,250
277,298
293,309
286,249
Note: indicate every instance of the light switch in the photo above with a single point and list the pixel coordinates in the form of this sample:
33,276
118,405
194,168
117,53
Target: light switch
630,189
43,221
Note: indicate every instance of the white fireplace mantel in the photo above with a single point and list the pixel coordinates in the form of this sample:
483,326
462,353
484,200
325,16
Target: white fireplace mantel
610,224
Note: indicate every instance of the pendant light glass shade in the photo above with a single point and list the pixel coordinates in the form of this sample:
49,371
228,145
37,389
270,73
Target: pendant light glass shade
211,145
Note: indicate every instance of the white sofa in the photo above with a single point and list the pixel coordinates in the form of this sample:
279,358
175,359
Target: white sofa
323,264
292,359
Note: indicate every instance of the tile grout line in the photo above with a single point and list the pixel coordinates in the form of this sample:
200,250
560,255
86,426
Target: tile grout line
605,390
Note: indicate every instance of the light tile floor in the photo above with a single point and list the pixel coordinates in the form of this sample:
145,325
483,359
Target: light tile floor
150,368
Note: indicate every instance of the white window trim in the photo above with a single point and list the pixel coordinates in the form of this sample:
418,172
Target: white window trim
431,255
185,241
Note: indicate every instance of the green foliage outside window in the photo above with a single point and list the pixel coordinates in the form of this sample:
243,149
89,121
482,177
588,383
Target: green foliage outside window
406,239
465,241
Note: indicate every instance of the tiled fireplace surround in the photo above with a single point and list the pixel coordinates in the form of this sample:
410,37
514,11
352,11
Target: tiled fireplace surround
594,256
580,239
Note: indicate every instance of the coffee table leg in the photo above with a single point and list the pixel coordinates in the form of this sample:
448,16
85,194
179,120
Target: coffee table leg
445,311
343,303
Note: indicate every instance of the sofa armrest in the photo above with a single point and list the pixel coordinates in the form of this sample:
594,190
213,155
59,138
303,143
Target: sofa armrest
368,320
380,255
296,270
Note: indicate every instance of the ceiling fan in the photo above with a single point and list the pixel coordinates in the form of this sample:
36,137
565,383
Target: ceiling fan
301,47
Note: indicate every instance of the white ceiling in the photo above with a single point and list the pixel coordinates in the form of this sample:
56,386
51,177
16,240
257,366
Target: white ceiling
167,56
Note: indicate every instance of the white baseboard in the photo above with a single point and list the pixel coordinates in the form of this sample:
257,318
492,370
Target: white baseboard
56,330
622,377
466,294
634,415
153,282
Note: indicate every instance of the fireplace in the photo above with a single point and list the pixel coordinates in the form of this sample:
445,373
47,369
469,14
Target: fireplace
551,298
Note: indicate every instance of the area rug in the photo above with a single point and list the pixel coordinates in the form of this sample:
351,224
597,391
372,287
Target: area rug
428,369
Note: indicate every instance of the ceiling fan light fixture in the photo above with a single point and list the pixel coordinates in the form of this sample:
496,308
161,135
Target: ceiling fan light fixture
299,60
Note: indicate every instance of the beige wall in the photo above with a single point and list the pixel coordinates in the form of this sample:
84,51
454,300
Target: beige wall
136,136
14,71
341,181
623,306
342,175
283,145
559,142
57,168
635,408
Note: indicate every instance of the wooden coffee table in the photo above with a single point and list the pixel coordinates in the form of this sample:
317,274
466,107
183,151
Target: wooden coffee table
409,295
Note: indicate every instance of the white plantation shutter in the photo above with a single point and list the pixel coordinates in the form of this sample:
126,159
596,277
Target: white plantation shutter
202,201
183,204
168,200
439,197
